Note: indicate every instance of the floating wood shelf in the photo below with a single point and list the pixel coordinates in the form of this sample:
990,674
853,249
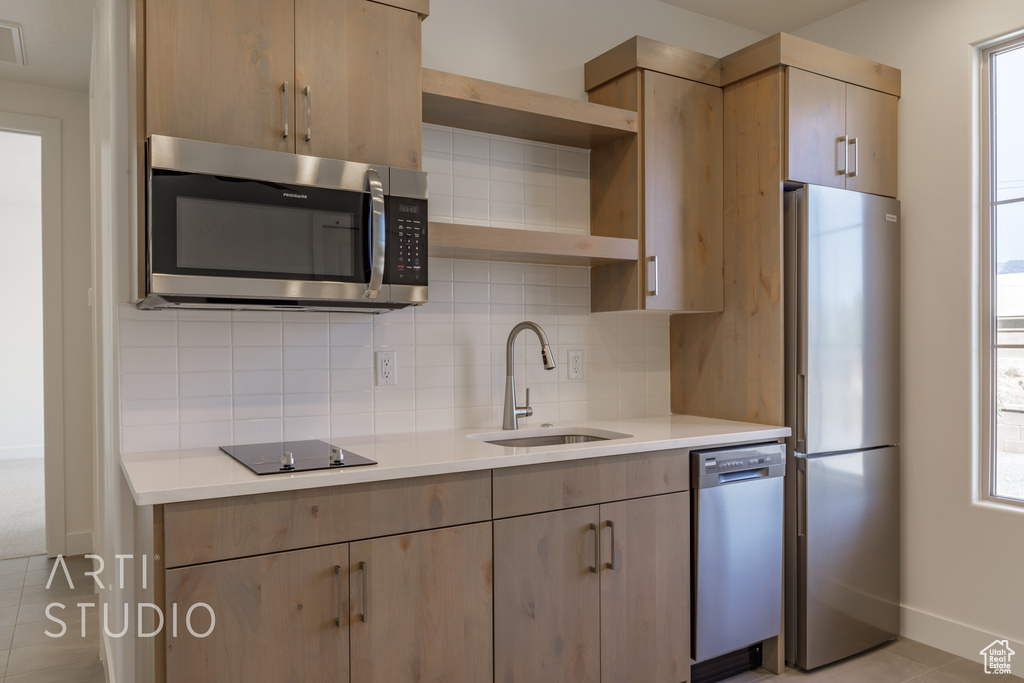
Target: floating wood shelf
472,104
450,240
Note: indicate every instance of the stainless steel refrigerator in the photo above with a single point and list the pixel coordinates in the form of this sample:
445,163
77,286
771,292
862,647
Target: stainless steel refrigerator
842,287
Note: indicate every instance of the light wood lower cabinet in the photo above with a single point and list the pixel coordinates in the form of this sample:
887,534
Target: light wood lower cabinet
421,607
279,617
599,593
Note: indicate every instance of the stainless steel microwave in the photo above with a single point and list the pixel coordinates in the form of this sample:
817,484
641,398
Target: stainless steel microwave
234,227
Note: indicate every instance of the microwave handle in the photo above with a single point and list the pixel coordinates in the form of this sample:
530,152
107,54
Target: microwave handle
378,233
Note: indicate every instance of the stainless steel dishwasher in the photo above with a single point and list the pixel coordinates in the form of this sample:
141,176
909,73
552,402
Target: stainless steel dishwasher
737,547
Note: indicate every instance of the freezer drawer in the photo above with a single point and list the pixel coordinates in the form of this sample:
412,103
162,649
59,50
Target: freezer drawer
848,554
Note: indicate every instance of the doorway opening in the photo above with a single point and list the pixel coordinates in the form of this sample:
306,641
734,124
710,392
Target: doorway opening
22,430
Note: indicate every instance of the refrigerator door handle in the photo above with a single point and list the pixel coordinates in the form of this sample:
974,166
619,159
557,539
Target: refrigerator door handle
801,498
801,412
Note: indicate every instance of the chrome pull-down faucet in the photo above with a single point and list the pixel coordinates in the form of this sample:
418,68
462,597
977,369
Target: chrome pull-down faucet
510,419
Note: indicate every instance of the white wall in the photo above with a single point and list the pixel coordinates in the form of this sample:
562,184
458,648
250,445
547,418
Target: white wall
72,108
543,44
962,561
21,296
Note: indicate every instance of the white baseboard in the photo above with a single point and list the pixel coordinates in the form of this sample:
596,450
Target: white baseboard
952,636
78,543
22,452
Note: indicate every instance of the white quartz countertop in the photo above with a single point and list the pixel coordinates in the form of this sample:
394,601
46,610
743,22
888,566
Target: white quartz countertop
203,473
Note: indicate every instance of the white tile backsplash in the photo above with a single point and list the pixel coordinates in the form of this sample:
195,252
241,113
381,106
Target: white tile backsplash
506,183
311,375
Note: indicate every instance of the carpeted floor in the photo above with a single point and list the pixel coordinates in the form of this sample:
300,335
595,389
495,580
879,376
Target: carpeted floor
22,508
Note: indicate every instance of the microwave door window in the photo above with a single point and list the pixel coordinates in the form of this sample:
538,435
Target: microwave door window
339,256
260,240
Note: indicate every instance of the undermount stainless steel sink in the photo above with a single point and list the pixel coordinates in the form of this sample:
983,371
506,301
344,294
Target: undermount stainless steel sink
547,437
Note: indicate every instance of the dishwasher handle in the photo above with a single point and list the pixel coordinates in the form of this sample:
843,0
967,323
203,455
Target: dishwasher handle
745,475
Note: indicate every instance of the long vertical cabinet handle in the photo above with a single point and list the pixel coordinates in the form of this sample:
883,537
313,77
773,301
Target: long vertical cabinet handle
309,113
378,234
597,553
654,260
843,153
365,616
284,87
801,411
856,158
341,595
611,525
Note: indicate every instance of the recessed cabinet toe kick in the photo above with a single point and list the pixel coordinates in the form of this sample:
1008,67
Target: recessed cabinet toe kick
737,547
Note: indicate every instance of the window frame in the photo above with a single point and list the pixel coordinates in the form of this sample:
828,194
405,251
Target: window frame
988,323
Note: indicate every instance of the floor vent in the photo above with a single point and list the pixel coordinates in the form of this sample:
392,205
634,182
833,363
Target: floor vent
727,665
12,49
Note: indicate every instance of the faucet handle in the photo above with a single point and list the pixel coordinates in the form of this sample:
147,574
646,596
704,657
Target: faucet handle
527,397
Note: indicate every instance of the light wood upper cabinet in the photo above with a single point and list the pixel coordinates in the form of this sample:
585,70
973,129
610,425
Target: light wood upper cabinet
279,617
683,204
422,607
360,61
664,189
594,594
216,70
840,134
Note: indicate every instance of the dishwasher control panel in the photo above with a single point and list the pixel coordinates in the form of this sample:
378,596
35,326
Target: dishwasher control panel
720,465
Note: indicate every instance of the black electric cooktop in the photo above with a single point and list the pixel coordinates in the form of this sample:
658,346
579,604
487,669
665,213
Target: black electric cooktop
271,458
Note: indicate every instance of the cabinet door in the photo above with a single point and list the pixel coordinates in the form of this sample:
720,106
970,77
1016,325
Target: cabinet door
421,607
871,123
361,63
683,194
280,617
645,590
215,70
816,150
547,616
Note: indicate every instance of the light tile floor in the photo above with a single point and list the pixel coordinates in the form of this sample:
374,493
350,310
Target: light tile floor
27,654
900,661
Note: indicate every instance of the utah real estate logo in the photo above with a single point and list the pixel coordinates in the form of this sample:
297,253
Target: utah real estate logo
997,657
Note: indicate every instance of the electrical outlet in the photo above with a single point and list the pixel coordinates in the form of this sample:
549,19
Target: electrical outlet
575,364
387,368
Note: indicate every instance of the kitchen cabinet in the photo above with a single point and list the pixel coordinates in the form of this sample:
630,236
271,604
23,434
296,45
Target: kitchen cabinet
664,188
599,593
330,78
840,134
422,607
591,569
279,617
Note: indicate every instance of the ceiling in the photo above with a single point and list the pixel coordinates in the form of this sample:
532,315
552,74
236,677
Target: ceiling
767,16
58,42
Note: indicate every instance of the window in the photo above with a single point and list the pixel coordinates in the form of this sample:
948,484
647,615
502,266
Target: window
1003,269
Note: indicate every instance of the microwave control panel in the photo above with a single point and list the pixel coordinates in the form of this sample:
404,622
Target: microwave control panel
407,241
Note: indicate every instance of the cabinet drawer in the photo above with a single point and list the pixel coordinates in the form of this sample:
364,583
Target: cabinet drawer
558,485
209,530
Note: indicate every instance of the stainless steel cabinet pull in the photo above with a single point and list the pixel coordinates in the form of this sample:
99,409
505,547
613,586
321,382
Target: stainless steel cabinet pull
365,616
611,525
856,158
654,260
378,234
341,596
597,554
843,154
284,87
309,113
